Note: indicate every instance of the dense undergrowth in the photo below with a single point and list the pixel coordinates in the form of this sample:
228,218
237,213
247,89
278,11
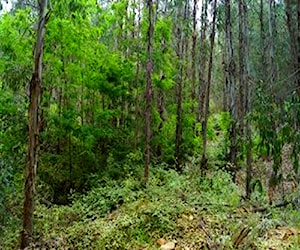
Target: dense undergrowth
197,213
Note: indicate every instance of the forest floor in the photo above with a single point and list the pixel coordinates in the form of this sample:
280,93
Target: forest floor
174,212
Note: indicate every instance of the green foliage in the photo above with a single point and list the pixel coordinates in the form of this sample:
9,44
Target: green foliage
16,41
123,214
218,132
12,155
277,125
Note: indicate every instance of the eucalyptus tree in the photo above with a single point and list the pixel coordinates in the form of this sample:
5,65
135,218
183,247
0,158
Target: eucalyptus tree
230,63
298,43
208,85
262,40
290,22
244,90
193,54
203,62
34,127
180,45
149,89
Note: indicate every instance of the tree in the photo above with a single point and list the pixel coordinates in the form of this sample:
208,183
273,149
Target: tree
298,40
179,84
34,127
193,53
262,40
148,94
231,78
203,60
245,93
292,37
208,86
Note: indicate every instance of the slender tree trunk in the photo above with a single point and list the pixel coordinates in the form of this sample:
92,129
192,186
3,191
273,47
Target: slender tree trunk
207,90
194,45
298,39
271,45
231,78
34,128
178,88
247,101
262,42
149,94
293,52
181,45
202,63
136,108
273,178
291,29
241,78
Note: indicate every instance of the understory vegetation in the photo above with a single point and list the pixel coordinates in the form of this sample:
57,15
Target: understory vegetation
197,213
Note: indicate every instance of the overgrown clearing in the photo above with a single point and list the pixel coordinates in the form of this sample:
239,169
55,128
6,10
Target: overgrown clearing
197,213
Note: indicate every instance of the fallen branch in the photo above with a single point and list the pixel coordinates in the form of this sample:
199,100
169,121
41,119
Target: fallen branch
263,209
242,235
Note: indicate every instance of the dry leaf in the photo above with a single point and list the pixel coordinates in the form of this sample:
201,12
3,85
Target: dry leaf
168,246
161,241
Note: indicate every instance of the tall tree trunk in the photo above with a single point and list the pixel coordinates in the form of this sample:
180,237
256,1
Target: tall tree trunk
178,89
148,95
181,45
262,42
241,74
137,73
207,90
231,78
202,63
194,45
291,29
247,102
34,128
271,45
271,22
293,51
298,39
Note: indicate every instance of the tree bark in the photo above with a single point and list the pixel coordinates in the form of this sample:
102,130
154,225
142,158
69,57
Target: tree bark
178,89
262,42
291,29
194,45
241,78
247,101
148,95
298,39
202,63
271,45
271,23
34,129
137,73
207,90
231,78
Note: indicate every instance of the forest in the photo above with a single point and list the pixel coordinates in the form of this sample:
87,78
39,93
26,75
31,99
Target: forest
155,124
